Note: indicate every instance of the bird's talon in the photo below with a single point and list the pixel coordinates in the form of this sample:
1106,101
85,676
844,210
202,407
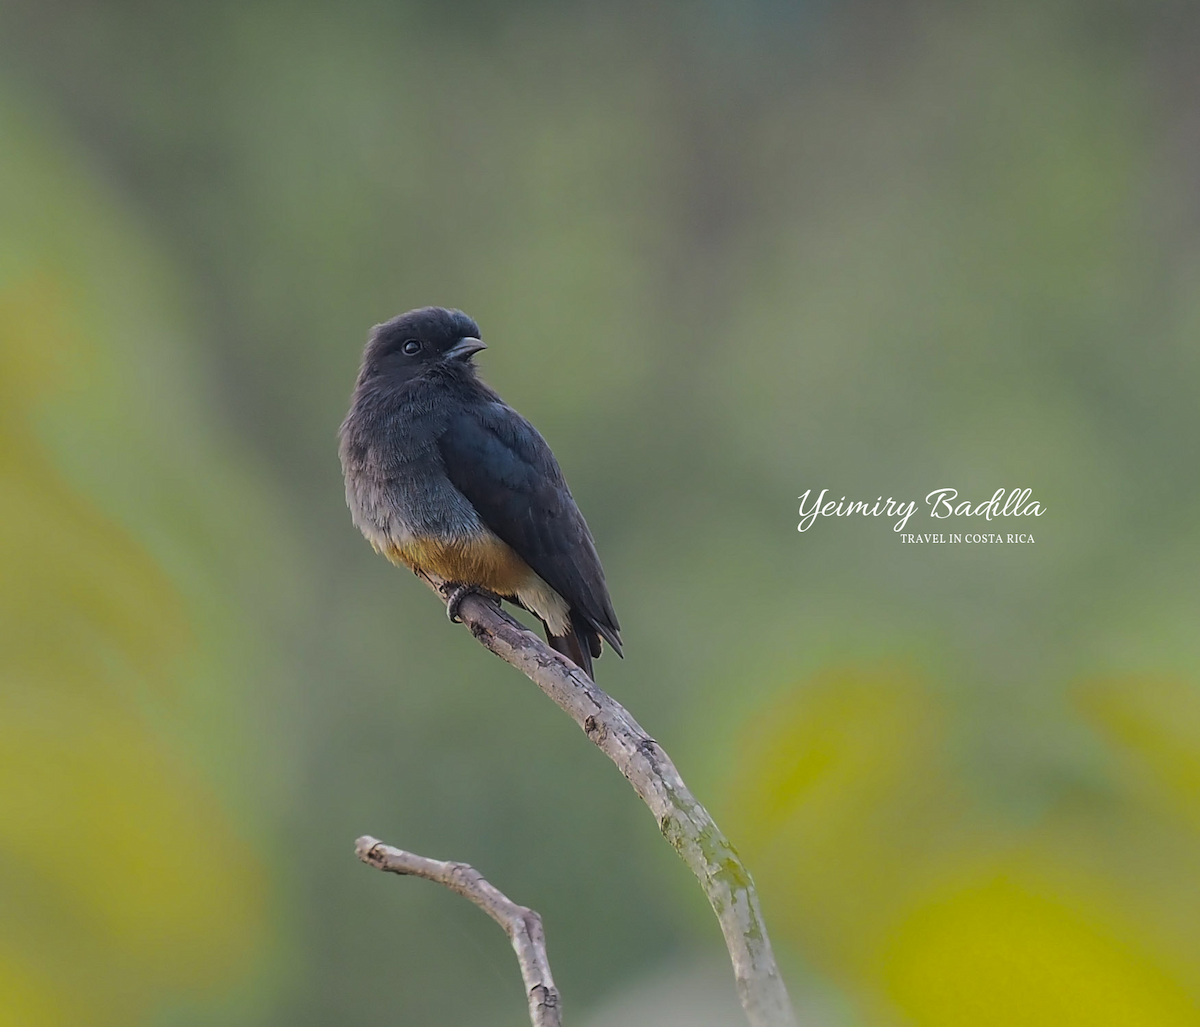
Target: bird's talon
455,601
461,593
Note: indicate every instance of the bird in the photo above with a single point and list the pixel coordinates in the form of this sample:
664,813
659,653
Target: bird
443,477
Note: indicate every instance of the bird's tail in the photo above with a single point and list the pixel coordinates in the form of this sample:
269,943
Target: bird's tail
578,645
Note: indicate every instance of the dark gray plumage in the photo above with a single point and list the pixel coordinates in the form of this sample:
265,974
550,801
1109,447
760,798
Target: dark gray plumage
443,476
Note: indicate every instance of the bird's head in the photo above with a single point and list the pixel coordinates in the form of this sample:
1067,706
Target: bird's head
421,341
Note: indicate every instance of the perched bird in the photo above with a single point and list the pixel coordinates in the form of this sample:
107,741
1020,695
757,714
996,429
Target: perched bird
443,476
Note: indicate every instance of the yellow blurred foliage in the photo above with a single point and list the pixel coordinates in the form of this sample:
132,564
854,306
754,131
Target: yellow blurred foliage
1003,952
125,883
27,998
939,911
1156,724
831,776
56,544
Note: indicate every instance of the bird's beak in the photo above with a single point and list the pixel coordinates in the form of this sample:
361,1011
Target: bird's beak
465,348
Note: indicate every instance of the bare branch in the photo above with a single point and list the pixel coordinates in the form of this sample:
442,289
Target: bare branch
684,822
522,925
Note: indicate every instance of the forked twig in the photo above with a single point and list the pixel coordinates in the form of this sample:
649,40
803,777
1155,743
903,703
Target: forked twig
522,925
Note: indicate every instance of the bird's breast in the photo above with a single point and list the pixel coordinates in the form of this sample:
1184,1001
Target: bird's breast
485,561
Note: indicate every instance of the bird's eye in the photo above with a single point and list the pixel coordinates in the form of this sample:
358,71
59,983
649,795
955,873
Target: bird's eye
412,347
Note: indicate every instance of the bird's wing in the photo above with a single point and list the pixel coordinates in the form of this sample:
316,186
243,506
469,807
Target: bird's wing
497,459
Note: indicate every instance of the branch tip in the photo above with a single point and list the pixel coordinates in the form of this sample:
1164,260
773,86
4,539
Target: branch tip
522,925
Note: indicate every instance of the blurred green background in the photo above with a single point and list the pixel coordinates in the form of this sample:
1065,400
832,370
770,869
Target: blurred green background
723,252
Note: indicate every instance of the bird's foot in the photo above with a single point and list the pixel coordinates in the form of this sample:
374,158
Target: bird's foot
460,593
